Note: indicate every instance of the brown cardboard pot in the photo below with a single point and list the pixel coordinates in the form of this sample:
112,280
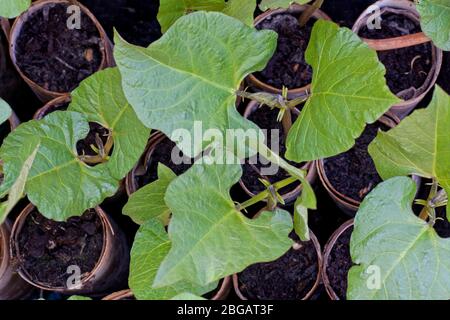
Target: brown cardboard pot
53,105
12,286
220,294
9,79
345,203
111,269
259,85
408,9
327,251
106,47
309,167
141,167
316,283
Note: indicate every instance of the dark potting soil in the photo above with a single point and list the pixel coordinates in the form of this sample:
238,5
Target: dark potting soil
290,277
163,154
339,263
135,20
84,146
5,129
48,248
442,225
266,118
54,56
288,66
407,67
353,173
346,12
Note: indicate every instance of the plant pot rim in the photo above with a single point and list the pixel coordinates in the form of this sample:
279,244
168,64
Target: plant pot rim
293,8
42,93
4,247
318,249
120,295
390,120
156,137
43,111
221,294
108,232
327,251
437,54
309,166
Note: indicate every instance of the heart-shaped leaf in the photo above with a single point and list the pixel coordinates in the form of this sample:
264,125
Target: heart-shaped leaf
348,90
100,98
210,238
59,183
13,8
148,202
399,256
435,21
419,145
150,247
188,78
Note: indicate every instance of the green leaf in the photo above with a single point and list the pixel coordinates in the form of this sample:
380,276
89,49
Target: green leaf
435,21
187,296
13,8
191,74
404,252
101,99
171,10
148,202
210,238
275,4
348,90
5,111
242,10
150,247
419,145
79,298
59,183
301,220
17,189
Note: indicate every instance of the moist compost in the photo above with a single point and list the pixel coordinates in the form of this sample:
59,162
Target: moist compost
287,67
162,153
47,248
290,277
54,56
353,173
135,20
84,146
339,263
407,67
442,225
266,118
444,76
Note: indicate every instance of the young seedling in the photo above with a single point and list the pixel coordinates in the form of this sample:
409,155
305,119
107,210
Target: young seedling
410,259
169,94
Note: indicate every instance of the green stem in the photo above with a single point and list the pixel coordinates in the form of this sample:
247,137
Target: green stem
307,14
265,194
428,210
